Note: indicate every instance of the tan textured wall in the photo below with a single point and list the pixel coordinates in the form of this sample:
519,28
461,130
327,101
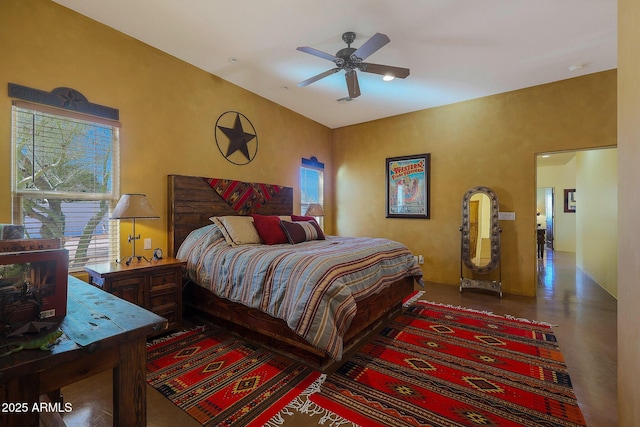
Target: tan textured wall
489,141
168,108
597,216
628,208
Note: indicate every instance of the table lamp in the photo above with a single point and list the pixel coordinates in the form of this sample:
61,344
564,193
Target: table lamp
314,209
133,206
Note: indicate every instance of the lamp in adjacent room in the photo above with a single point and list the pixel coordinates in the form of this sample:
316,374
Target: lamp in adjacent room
541,220
133,206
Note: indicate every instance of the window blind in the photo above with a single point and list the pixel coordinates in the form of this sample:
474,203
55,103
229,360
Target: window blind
65,169
311,186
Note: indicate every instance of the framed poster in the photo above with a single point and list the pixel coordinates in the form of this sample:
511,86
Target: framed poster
570,200
408,186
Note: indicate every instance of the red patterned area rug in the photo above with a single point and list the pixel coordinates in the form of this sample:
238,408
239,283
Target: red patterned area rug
437,365
221,380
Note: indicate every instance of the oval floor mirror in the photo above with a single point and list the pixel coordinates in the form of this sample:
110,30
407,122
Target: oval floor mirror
480,241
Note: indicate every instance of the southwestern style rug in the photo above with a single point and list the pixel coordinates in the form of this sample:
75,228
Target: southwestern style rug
442,366
221,380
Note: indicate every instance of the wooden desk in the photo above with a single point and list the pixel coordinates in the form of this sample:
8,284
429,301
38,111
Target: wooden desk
101,332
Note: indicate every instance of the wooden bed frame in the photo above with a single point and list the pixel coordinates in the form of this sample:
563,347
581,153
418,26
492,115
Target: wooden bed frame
191,202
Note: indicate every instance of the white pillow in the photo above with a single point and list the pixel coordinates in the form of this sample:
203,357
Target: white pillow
237,230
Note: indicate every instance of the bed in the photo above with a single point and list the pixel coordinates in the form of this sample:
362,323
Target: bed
329,329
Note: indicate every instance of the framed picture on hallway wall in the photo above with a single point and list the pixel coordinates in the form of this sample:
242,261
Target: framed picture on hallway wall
570,200
408,186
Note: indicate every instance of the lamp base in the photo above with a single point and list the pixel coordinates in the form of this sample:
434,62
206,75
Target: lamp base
129,260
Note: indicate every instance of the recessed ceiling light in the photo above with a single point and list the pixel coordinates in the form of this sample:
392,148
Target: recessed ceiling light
388,78
576,67
232,60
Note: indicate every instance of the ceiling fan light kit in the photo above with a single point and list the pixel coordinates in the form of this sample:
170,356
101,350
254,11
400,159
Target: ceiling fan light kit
351,59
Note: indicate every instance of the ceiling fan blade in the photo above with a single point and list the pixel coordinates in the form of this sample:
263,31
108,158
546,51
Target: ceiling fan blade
385,70
316,52
352,84
318,77
370,46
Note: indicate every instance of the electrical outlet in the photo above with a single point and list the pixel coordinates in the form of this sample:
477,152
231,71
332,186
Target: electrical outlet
507,216
147,243
420,259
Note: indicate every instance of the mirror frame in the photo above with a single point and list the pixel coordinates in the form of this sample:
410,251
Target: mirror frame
494,231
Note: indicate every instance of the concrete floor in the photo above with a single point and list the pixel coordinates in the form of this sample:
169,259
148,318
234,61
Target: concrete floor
584,313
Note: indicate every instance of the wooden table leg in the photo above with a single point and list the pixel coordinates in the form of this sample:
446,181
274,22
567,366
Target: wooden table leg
18,396
130,385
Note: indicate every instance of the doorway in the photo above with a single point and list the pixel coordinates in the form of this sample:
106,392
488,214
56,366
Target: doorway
587,229
555,172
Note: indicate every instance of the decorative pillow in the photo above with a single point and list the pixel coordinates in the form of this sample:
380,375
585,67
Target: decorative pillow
301,218
223,230
302,231
269,229
237,230
317,227
305,218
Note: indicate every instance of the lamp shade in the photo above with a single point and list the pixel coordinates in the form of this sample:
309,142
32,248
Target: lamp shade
133,206
314,209
542,221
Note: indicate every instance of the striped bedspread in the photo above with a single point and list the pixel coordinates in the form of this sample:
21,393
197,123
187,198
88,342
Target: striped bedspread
312,286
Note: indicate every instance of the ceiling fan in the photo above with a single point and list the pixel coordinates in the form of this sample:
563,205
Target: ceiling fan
350,59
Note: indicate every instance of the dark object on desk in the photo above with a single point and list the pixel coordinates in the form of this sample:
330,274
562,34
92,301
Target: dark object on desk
33,287
101,332
11,232
32,328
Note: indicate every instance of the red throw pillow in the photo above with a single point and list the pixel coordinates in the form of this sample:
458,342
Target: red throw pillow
269,230
301,218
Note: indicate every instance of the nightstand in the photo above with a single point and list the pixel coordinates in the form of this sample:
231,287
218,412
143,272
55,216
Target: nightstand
154,285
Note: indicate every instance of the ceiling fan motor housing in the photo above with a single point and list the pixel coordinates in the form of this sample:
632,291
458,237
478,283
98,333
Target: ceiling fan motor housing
346,56
349,37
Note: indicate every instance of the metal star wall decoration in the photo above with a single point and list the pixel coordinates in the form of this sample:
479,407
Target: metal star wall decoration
237,139
71,99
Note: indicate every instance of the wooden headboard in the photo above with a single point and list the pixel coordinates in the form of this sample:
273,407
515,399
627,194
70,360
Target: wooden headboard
192,201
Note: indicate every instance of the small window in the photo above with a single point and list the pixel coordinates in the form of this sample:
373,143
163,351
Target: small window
312,189
65,173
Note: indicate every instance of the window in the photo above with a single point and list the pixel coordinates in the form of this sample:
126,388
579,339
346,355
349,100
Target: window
312,186
65,180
